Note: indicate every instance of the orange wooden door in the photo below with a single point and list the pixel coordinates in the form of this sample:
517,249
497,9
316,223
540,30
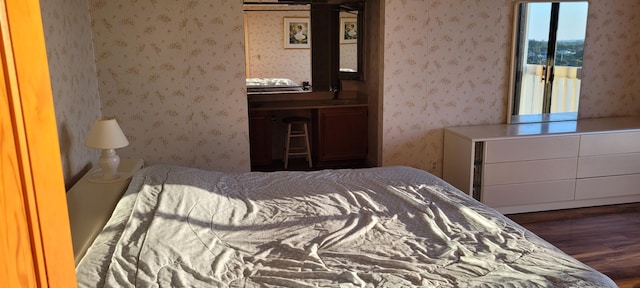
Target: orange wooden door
35,239
15,247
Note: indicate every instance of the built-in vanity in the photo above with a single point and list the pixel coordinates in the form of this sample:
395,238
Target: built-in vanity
333,100
338,128
542,166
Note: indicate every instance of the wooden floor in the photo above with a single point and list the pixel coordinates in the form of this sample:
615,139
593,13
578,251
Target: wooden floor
606,238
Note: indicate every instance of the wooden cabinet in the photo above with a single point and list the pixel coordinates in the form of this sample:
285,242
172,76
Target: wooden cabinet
340,135
260,138
542,166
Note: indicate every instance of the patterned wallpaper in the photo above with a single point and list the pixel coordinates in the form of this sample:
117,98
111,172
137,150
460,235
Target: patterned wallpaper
441,61
611,71
67,29
267,56
446,64
349,56
172,73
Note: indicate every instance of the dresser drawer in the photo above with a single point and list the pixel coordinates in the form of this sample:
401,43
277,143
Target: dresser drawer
529,171
531,149
608,165
528,193
612,186
610,143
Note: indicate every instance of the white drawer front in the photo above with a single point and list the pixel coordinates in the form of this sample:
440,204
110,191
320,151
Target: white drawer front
608,165
529,171
610,143
528,193
531,149
602,187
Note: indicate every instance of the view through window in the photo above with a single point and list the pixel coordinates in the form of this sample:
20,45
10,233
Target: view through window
550,41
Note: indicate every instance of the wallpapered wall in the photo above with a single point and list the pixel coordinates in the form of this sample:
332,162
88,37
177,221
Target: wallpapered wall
67,29
172,73
446,63
611,70
267,55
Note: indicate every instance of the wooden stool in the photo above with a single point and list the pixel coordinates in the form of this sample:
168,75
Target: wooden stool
297,127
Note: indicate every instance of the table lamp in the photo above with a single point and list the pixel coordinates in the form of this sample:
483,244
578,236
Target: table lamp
107,135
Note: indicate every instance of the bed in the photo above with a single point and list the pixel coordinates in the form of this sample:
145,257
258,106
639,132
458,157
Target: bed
375,227
272,85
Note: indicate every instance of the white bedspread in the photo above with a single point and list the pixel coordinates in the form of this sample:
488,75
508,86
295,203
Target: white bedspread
378,227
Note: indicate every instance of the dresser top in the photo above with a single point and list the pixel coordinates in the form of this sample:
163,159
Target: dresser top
582,126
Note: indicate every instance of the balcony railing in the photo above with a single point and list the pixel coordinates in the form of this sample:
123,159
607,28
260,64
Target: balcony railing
565,93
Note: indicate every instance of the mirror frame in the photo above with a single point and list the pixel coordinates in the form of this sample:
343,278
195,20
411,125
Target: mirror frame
358,75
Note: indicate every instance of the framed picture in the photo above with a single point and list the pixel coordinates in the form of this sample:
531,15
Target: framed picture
297,33
348,30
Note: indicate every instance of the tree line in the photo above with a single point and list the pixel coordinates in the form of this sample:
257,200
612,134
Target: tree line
568,52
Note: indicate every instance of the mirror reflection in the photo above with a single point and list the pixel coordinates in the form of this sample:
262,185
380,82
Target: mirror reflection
277,48
547,61
348,41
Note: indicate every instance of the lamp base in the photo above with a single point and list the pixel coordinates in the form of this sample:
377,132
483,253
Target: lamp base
108,171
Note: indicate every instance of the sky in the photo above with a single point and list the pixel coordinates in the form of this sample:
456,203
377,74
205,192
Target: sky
572,24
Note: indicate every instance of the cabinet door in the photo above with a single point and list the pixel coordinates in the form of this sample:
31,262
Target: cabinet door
260,137
341,134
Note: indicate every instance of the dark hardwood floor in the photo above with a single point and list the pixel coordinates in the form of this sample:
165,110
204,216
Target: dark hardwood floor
606,238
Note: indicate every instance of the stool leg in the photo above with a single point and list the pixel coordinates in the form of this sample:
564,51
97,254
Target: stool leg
306,140
287,142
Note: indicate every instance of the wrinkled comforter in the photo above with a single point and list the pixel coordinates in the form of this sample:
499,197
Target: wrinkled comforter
377,227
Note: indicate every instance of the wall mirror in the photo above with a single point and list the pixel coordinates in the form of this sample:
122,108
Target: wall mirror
547,56
277,48
351,30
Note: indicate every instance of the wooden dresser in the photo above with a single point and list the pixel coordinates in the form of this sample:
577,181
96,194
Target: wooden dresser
543,166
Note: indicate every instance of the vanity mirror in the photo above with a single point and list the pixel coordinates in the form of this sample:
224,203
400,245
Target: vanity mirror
547,55
277,48
331,50
351,30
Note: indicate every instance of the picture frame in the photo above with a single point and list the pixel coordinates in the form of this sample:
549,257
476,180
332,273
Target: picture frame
297,33
348,30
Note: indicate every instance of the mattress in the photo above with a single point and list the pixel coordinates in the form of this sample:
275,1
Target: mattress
377,227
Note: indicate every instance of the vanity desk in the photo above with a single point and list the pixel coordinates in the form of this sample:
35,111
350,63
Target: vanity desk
518,168
338,128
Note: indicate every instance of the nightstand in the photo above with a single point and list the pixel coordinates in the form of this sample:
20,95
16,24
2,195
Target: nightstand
90,204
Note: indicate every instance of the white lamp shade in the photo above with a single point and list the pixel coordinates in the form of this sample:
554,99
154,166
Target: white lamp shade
106,134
